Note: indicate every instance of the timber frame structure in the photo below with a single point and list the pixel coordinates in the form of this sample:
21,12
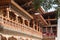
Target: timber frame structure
19,22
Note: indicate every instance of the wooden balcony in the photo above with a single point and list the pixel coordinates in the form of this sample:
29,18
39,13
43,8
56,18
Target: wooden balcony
49,35
15,26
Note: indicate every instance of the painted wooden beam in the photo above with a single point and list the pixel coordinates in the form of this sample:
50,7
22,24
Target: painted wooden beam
21,9
51,19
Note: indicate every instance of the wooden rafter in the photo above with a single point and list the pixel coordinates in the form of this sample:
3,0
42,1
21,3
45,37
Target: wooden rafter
51,19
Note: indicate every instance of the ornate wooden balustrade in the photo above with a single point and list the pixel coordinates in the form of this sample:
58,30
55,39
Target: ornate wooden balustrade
15,26
49,35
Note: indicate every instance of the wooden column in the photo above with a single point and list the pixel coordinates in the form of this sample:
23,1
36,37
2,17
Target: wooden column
49,21
0,36
7,38
39,29
16,18
2,16
33,25
7,9
29,23
1,13
37,26
23,21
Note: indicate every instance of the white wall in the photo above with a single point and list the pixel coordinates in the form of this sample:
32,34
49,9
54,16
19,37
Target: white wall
58,30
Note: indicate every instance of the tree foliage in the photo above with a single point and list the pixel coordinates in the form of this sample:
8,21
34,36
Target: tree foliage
47,4
37,3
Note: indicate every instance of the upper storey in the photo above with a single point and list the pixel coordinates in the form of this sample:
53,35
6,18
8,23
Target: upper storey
7,3
26,7
15,18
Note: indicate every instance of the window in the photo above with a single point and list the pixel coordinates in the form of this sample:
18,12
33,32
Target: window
20,20
4,13
12,16
31,23
26,22
44,30
49,29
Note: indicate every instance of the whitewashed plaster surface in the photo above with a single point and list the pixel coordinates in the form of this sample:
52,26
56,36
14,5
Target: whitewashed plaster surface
58,30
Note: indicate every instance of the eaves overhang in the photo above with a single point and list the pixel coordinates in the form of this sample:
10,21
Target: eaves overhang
21,9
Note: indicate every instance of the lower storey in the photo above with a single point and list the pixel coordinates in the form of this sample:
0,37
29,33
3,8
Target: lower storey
49,39
11,35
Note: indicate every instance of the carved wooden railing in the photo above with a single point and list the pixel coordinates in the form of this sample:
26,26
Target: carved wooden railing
13,25
49,36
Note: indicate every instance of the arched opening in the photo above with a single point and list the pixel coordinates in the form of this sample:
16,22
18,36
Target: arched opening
31,23
3,38
12,16
26,22
35,27
3,12
12,38
20,20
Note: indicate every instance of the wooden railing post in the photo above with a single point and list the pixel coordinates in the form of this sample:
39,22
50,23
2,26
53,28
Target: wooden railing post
51,30
33,25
